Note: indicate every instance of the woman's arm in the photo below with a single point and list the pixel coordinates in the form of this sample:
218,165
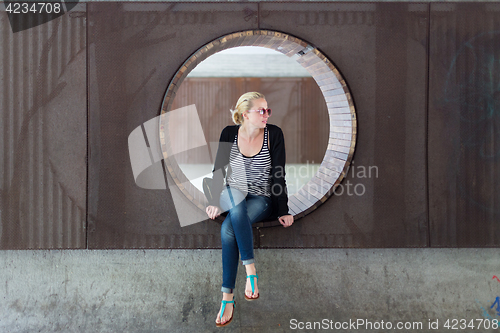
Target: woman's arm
278,157
278,173
221,162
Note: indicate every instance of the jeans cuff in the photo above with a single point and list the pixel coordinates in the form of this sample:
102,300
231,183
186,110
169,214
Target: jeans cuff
227,290
248,261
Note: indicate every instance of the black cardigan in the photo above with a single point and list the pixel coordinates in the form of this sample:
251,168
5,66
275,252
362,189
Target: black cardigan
279,194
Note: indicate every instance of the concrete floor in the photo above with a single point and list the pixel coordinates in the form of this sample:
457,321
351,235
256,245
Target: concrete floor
178,290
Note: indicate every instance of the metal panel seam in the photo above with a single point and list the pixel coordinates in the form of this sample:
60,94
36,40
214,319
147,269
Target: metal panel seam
88,124
427,124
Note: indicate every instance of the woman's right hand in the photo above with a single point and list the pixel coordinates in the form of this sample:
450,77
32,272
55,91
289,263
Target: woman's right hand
213,211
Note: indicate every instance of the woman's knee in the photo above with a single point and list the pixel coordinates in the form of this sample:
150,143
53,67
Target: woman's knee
259,209
227,232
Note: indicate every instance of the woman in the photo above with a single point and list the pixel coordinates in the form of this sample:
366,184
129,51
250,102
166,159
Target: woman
255,189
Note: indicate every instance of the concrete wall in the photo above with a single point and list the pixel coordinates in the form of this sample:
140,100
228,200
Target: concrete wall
178,290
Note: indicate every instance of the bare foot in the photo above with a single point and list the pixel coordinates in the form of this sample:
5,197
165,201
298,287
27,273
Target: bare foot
250,269
228,311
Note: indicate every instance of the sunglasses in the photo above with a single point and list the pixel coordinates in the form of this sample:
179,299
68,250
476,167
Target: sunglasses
262,111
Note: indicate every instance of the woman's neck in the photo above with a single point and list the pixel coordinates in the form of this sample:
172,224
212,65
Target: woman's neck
250,132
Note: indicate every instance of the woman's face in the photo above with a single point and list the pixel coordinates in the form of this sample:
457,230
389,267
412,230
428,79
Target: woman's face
255,118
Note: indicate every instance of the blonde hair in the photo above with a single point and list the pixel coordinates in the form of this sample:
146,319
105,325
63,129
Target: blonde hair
243,105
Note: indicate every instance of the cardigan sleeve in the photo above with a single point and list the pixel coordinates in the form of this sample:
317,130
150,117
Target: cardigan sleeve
221,162
278,186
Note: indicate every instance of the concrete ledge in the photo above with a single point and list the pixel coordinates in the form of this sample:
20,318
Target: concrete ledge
178,290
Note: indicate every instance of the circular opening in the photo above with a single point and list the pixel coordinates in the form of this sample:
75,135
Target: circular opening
298,107
341,117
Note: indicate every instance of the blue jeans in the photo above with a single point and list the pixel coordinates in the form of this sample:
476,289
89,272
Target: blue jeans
236,231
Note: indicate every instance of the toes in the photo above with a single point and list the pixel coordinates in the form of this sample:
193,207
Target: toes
249,294
219,320
225,316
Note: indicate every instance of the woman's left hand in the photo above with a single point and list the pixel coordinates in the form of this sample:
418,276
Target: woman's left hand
286,220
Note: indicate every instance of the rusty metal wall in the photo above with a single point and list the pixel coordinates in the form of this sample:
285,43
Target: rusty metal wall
423,78
43,131
298,107
464,125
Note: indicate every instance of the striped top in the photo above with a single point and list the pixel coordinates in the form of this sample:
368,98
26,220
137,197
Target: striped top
250,174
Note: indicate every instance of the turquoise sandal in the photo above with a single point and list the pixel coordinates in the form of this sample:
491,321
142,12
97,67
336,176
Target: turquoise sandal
253,287
222,313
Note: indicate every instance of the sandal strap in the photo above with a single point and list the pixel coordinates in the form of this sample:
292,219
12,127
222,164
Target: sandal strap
224,307
252,282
